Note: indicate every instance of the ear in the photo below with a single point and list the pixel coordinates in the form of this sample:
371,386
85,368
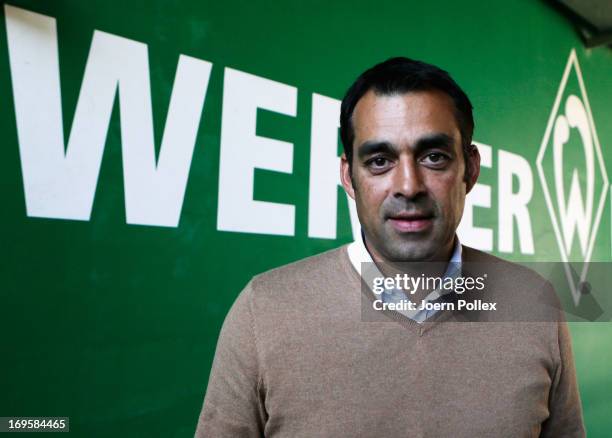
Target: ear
345,176
473,162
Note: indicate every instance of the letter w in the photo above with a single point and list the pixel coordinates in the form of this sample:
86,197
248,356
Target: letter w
61,183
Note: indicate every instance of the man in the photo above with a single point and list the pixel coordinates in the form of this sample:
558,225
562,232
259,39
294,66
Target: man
308,351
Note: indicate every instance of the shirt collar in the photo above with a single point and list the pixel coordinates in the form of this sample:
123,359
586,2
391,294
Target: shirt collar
358,254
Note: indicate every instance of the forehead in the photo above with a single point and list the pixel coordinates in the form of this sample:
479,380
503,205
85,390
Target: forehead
404,117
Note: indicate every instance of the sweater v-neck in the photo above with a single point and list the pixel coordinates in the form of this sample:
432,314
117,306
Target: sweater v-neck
418,328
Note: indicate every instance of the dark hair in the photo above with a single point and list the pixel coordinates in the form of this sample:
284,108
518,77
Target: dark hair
404,75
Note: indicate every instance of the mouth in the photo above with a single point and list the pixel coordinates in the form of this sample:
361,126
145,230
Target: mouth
411,222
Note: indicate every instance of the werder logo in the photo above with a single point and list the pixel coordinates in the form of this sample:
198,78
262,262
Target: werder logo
573,174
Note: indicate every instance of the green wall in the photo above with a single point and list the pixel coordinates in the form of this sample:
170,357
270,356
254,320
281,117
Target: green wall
113,322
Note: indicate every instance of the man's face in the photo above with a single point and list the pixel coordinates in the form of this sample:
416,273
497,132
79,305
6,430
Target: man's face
408,174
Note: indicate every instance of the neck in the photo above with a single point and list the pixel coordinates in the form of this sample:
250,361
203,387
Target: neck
434,266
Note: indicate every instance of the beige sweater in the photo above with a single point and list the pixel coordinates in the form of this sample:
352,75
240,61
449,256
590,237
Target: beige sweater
297,357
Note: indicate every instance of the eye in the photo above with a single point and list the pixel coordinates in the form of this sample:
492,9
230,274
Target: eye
378,164
436,160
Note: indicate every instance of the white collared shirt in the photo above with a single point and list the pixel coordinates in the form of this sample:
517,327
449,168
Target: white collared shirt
358,254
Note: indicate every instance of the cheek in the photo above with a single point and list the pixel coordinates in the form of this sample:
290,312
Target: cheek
370,200
449,192
370,196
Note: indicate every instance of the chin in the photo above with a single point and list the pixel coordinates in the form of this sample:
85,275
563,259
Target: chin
412,254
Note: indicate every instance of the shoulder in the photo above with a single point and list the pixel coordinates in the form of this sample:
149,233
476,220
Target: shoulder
313,264
521,292
282,287
311,272
503,269
299,294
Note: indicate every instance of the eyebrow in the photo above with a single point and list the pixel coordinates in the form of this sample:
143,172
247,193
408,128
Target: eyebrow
372,147
437,140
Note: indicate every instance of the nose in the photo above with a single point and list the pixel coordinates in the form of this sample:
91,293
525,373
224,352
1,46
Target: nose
407,180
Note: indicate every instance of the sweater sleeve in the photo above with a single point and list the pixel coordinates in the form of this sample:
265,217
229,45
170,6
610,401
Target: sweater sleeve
233,405
564,404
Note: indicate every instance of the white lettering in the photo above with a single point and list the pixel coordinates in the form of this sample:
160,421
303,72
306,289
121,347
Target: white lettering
62,184
574,214
242,151
325,171
514,205
480,196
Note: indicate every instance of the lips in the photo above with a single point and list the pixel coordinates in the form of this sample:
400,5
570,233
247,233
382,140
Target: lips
411,222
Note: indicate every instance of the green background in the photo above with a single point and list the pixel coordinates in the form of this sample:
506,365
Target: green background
115,325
